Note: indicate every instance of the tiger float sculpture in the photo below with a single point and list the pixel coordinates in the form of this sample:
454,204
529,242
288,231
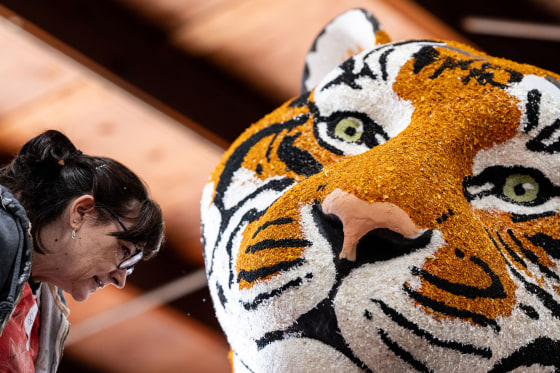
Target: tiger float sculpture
400,215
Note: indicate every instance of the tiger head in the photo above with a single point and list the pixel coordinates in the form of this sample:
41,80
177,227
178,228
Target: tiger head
400,215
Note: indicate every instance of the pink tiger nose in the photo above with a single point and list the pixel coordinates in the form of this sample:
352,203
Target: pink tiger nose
359,217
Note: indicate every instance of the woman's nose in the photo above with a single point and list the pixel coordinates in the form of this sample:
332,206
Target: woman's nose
118,278
359,217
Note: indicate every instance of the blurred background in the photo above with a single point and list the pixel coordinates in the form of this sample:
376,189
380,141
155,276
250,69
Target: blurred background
164,86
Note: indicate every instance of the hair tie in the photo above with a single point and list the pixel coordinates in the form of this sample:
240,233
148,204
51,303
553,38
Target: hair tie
72,155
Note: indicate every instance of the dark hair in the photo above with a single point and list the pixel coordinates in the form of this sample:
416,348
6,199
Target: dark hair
49,173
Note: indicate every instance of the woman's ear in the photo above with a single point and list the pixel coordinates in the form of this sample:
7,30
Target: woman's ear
79,208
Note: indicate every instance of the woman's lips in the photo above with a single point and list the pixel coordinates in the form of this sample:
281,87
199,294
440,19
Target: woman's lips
98,282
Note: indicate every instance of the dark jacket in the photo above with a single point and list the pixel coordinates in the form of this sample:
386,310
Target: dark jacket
16,255
15,249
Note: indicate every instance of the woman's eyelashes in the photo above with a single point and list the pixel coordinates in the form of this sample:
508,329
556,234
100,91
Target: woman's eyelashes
125,252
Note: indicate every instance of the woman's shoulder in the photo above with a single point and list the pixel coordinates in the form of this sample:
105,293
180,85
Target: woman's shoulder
11,206
13,221
14,227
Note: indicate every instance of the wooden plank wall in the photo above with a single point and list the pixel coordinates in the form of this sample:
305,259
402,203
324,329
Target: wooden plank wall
261,43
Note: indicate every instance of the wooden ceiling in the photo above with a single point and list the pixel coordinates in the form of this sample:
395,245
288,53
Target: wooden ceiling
163,86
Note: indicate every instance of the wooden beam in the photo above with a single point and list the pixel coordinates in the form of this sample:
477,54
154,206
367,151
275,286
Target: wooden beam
264,42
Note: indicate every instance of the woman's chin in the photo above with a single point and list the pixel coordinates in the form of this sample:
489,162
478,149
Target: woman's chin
80,296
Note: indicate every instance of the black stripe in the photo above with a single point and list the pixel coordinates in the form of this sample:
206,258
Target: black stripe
402,321
424,57
542,351
546,299
248,217
532,108
495,290
280,221
518,218
245,364
269,148
221,295
274,293
544,141
533,257
383,63
251,276
402,353
452,311
529,311
275,244
296,159
512,253
549,244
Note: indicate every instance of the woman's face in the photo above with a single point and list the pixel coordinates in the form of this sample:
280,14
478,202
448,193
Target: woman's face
87,260
92,259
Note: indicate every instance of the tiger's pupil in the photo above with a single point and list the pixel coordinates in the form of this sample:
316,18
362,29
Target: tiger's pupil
521,188
348,129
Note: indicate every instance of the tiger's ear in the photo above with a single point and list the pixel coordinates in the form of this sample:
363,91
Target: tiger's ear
350,33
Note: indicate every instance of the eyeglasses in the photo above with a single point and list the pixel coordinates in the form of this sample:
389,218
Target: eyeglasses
131,260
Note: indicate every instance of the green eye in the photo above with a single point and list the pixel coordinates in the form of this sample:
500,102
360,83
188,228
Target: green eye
349,130
521,188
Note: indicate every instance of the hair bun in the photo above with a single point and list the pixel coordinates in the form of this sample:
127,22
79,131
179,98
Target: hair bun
49,148
42,157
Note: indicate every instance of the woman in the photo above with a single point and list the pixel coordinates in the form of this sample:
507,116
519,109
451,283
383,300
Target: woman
68,222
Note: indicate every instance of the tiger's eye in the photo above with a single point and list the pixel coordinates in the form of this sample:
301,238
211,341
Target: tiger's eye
521,188
349,129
